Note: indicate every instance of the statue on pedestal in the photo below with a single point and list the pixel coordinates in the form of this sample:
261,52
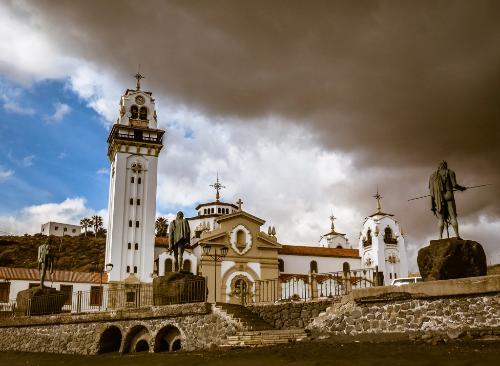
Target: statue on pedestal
442,184
179,239
45,260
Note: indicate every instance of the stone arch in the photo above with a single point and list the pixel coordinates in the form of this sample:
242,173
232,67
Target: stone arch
110,340
168,339
138,339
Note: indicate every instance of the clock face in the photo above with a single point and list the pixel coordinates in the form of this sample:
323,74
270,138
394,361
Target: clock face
140,99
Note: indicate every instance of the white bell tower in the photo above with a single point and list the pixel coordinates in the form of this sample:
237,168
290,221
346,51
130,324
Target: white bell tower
382,245
134,145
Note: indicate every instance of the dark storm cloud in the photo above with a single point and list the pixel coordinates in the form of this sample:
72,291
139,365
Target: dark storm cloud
398,84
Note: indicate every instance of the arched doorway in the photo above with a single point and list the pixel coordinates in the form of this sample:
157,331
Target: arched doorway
241,290
110,340
168,339
137,340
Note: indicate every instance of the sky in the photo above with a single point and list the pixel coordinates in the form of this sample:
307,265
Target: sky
303,108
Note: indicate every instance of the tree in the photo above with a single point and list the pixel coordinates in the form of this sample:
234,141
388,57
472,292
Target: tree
96,223
86,223
161,226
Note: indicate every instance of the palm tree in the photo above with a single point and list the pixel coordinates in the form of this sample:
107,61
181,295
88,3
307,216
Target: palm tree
85,222
96,223
161,226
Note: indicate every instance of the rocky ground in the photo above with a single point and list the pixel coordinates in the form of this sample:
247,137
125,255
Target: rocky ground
337,351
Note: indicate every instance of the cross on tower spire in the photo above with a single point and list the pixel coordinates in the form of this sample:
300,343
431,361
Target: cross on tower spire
138,76
239,203
217,186
332,219
378,197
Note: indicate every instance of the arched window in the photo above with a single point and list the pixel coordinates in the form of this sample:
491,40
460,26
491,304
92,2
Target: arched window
129,223
313,267
129,246
143,113
186,266
339,246
346,267
241,240
281,265
169,265
128,269
388,233
135,269
134,112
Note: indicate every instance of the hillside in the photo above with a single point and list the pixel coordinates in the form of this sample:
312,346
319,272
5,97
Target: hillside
72,253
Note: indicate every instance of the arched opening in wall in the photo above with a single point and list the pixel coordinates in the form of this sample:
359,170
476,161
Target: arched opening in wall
110,340
142,346
339,246
168,339
137,340
143,113
241,240
186,266
134,112
169,265
281,265
313,267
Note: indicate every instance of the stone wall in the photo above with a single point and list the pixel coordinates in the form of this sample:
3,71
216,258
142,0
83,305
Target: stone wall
290,314
411,311
199,328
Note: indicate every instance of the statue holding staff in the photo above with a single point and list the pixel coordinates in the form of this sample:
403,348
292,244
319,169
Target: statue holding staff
442,183
45,260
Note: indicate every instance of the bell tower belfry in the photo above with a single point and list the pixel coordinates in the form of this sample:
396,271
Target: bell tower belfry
134,144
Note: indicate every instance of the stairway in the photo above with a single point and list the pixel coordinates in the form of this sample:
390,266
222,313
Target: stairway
257,331
265,338
249,320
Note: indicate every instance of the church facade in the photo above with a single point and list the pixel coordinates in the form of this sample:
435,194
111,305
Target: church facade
229,246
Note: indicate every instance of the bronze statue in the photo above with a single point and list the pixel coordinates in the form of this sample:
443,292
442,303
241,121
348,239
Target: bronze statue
442,183
179,239
45,260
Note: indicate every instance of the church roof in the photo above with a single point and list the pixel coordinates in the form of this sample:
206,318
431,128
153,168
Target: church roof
318,251
219,203
380,213
241,213
333,232
32,274
162,241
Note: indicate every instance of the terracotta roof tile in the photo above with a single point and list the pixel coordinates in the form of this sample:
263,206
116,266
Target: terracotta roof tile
32,274
318,251
161,241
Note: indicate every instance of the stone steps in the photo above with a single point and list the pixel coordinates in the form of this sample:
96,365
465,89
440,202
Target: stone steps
245,317
265,338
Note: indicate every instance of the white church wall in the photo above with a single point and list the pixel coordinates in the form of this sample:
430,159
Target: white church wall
300,264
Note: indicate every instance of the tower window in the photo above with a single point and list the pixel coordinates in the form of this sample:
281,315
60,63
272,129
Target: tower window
281,265
139,180
313,267
136,246
138,202
135,269
212,210
132,180
137,224
128,269
227,211
129,223
134,112
143,113
131,201
204,211
218,210
129,245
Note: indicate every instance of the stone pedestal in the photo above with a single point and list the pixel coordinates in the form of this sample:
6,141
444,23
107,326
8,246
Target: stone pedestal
178,287
40,301
451,258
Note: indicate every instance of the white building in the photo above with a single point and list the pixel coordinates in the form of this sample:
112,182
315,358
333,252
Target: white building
382,245
60,229
134,145
89,285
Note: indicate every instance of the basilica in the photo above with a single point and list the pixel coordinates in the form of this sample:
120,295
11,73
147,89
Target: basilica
230,247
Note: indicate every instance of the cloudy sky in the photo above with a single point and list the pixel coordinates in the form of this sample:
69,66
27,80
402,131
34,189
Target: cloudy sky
302,107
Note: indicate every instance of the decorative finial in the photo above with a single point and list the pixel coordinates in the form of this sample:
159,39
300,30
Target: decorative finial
217,186
332,219
239,203
378,197
138,76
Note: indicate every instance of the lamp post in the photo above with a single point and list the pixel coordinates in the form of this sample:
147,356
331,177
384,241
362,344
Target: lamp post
216,258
